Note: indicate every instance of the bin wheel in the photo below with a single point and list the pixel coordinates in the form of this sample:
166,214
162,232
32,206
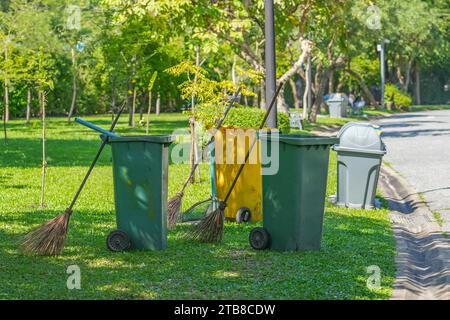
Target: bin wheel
243,215
259,238
118,241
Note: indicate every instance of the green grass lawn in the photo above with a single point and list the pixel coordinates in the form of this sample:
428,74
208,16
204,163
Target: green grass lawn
352,239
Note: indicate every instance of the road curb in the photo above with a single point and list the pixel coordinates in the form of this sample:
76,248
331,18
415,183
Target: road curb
423,252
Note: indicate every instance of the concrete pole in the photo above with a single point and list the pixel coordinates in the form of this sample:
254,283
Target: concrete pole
382,71
271,80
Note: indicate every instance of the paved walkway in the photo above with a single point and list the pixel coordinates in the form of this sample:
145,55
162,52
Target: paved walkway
419,149
418,189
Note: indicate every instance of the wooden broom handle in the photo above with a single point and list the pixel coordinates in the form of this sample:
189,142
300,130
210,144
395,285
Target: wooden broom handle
272,103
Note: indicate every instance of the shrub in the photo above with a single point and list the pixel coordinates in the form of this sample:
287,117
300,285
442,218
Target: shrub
397,97
239,117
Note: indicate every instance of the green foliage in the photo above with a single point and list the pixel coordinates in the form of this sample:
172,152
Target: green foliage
126,41
201,86
239,117
397,96
368,69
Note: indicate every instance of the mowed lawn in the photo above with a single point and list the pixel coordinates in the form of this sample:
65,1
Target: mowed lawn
353,240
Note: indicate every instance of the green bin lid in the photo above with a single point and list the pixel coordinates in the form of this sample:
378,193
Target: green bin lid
298,139
153,139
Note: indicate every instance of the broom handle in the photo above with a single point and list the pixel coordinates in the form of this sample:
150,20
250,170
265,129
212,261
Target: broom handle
272,103
219,125
105,141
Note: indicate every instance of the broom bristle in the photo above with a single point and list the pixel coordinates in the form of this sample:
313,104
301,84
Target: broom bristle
210,227
173,210
47,239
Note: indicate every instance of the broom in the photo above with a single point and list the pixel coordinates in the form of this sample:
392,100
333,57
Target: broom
48,239
174,204
210,228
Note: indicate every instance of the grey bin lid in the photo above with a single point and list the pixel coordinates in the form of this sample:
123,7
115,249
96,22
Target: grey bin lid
360,137
162,139
337,98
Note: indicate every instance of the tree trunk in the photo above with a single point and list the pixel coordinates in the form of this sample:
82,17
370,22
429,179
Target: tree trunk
149,111
408,75
158,104
331,83
197,63
113,102
341,84
262,99
294,94
417,95
321,83
365,89
142,101
400,77
28,112
4,125
322,77
134,102
6,113
307,98
192,151
233,71
6,98
132,96
172,104
129,108
255,100
390,105
44,161
130,105
282,106
74,85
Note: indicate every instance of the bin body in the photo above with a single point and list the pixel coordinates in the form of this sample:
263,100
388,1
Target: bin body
357,176
359,155
140,172
337,105
231,145
294,198
337,110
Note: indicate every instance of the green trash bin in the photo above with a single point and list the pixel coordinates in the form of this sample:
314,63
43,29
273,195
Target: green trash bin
140,170
293,197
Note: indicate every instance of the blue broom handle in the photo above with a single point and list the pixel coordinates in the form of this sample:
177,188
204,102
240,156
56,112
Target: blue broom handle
96,128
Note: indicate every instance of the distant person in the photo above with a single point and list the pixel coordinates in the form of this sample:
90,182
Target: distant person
360,103
351,99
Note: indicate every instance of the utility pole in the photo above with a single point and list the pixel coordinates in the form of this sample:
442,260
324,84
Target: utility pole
270,61
382,50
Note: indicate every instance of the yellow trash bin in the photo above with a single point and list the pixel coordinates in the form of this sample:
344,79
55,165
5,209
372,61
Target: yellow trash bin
231,145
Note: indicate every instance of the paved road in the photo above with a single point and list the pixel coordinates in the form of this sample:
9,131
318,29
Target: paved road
418,147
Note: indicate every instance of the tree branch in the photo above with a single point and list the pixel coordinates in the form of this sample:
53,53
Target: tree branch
306,51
